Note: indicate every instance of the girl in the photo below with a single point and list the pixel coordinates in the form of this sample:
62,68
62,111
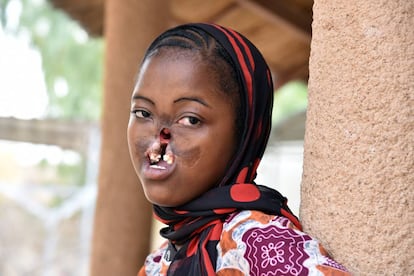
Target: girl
200,121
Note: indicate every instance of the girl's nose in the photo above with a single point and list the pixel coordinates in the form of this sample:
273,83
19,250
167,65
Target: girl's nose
165,135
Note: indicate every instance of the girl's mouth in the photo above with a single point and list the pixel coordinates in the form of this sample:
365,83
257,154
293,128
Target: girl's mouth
160,161
158,152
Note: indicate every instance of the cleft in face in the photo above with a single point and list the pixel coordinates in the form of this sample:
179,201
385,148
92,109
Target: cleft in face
154,153
160,152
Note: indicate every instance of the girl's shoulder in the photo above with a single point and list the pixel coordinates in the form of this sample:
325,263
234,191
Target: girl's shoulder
254,243
155,262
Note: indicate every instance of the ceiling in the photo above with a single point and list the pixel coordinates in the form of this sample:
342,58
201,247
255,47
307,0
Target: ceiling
281,29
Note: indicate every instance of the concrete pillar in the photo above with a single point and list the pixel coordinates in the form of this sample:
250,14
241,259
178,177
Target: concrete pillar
123,215
357,190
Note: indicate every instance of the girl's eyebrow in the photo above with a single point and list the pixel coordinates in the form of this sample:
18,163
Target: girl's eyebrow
139,97
192,99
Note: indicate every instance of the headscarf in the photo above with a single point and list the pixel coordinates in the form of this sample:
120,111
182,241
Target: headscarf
197,225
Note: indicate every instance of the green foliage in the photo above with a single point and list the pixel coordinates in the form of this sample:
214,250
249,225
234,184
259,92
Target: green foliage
289,99
72,64
3,5
72,61
73,174
62,173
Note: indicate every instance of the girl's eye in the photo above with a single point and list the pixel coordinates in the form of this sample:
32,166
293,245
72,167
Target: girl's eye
189,121
141,113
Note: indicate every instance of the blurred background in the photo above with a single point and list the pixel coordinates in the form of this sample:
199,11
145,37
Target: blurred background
50,106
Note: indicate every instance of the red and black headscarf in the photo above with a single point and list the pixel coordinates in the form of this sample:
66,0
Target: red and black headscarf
197,225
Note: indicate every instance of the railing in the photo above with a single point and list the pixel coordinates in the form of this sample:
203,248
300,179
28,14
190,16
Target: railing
81,137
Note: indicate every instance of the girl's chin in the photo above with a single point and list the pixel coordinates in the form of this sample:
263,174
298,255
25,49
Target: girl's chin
163,197
162,202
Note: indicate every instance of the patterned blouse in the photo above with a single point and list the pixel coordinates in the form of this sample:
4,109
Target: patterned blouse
254,243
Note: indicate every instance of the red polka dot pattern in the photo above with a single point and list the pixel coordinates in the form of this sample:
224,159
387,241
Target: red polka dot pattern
244,192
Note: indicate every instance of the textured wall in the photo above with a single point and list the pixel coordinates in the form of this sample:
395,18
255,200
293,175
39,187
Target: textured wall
123,215
357,190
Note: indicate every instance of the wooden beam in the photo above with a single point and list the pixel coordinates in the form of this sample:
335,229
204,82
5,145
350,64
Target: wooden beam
214,17
300,72
65,134
198,11
296,21
89,14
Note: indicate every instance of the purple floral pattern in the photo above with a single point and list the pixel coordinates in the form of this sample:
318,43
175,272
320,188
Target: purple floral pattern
275,251
254,243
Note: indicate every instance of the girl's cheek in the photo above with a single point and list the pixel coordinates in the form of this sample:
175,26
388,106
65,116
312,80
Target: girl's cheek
186,147
142,145
188,156
140,137
140,129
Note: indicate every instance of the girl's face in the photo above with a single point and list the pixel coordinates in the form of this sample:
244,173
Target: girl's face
181,129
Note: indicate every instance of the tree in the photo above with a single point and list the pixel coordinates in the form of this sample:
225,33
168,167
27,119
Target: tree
71,60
